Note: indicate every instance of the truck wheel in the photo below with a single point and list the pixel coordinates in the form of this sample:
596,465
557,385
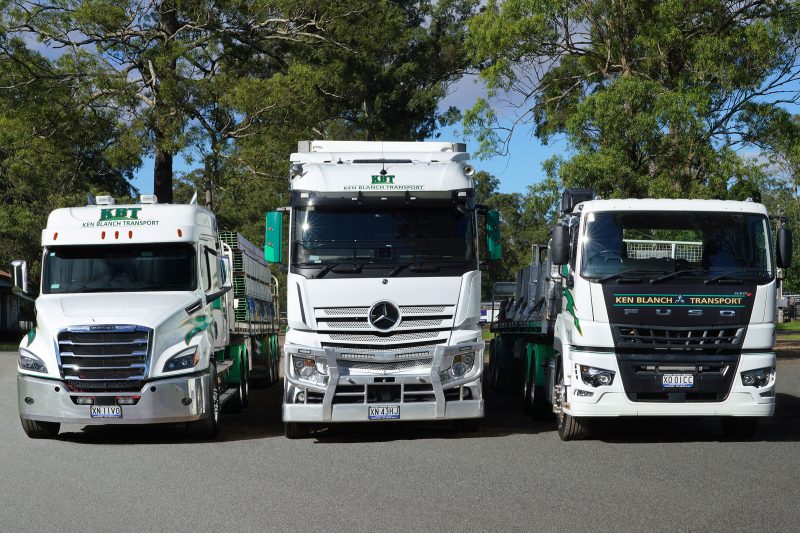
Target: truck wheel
245,388
208,428
236,403
569,427
295,430
527,392
466,425
40,430
541,409
739,427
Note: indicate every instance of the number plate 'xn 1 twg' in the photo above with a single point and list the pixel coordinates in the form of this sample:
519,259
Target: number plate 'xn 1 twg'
384,412
105,411
677,380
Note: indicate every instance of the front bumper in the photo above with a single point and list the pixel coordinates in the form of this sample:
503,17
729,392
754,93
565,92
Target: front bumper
420,393
612,401
159,401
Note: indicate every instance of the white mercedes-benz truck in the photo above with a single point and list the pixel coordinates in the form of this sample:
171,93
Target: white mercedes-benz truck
383,286
646,307
146,314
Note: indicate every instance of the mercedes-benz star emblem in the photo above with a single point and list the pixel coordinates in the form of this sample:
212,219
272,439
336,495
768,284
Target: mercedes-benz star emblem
384,316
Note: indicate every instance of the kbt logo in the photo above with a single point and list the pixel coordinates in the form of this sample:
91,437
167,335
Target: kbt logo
387,179
120,213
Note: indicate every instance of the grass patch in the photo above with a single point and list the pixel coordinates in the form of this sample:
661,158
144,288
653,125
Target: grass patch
795,337
788,326
487,335
8,346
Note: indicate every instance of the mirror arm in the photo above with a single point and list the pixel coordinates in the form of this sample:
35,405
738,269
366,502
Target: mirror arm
214,295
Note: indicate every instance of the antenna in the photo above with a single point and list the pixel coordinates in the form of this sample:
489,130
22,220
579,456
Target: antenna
193,201
383,161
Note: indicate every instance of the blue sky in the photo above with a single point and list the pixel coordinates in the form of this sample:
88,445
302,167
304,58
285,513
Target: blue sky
520,168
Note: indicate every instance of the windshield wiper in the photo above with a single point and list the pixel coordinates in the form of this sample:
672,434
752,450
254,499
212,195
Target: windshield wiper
331,266
675,274
726,276
414,267
639,272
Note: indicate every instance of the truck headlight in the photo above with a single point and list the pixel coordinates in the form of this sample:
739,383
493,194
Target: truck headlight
28,361
596,377
462,364
758,378
308,368
182,360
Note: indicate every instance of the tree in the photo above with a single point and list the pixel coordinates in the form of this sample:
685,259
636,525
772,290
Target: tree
52,154
148,58
656,98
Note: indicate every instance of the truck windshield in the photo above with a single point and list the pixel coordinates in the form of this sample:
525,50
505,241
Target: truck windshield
656,245
392,236
119,268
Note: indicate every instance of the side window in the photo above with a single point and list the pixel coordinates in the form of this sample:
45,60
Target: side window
573,247
210,268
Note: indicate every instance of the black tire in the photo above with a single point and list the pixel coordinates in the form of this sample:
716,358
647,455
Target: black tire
527,392
295,430
541,409
739,427
35,429
466,425
568,426
245,388
236,403
207,428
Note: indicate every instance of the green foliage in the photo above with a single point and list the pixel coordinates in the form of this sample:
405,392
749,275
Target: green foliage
654,98
52,154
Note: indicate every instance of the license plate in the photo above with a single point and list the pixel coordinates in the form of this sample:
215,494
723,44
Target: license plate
105,411
677,380
384,412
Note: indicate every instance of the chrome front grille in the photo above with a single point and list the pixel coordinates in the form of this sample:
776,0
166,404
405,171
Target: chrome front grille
389,365
365,337
104,358
363,324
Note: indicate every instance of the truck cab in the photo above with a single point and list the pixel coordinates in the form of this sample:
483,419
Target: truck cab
130,324
383,286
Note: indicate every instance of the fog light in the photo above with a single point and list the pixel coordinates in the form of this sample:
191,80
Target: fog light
131,400
186,401
84,400
300,398
308,372
758,378
596,377
28,400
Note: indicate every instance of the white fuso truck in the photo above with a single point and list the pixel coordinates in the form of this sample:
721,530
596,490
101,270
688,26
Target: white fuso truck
383,286
136,320
646,307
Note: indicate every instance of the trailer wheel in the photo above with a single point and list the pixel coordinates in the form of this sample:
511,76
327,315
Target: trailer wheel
208,428
541,409
569,427
527,391
295,430
35,429
739,427
245,387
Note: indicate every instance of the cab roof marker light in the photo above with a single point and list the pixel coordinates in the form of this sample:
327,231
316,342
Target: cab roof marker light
55,236
116,235
130,234
148,199
462,194
102,234
180,233
105,200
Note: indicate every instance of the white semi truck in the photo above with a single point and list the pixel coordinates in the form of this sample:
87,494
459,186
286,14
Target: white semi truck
383,285
646,307
146,314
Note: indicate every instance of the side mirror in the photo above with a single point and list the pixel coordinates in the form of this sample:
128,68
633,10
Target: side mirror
227,278
20,270
560,245
273,239
494,245
784,248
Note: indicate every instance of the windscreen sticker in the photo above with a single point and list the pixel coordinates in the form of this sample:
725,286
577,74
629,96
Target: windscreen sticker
120,216
682,300
55,286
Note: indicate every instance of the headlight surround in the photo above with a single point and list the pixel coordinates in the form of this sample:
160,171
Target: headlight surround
462,364
183,360
760,377
309,368
596,377
28,361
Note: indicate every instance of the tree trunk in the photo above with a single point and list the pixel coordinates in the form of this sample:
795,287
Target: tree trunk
162,176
